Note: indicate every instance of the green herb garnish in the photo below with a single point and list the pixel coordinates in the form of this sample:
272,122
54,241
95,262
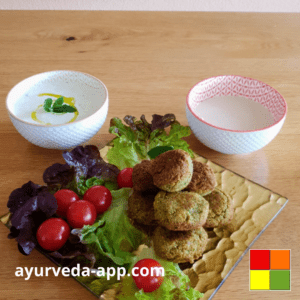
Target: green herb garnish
58,106
58,102
47,104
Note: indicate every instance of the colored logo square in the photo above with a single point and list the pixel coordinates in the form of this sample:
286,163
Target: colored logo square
270,270
280,280
259,280
259,259
280,259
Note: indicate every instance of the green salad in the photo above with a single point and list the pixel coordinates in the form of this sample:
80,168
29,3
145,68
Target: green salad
136,138
111,240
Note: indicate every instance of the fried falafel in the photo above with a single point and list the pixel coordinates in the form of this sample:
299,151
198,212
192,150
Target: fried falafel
179,246
172,170
220,209
141,177
140,208
203,180
180,211
147,229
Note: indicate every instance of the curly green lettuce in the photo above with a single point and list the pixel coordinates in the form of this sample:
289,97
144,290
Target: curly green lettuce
113,236
134,140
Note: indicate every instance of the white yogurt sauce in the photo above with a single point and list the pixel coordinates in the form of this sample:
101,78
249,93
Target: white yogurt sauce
27,105
234,112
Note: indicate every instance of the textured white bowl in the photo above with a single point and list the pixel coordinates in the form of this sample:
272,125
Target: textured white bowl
91,100
235,141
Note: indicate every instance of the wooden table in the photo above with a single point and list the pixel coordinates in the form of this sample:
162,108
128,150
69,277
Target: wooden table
149,61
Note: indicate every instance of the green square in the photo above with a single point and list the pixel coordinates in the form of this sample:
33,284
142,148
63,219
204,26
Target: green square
280,280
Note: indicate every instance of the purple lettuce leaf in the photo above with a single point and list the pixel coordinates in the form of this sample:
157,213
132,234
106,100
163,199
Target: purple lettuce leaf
161,122
59,176
20,196
137,125
88,163
30,206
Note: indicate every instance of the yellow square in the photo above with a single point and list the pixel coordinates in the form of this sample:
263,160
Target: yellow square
259,279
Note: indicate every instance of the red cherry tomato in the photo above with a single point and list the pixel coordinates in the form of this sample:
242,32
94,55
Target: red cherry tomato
53,234
153,280
64,199
81,213
100,196
125,178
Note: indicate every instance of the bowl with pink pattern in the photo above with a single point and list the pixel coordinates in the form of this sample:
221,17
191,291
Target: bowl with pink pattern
235,114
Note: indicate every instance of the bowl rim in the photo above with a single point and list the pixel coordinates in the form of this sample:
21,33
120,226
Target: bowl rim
56,125
235,130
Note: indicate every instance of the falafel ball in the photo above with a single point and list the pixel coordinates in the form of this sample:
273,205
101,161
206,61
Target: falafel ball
203,180
220,209
172,170
141,177
147,229
140,208
180,211
179,246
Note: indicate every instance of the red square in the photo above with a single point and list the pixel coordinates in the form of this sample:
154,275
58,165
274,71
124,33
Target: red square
259,259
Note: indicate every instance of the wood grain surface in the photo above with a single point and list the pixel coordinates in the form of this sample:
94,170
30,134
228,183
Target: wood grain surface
149,61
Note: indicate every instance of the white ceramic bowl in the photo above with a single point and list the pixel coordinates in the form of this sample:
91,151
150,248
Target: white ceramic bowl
91,101
234,124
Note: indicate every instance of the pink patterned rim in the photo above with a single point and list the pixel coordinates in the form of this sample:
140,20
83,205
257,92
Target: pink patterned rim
233,85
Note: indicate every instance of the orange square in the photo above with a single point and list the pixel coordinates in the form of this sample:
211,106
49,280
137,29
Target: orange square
280,259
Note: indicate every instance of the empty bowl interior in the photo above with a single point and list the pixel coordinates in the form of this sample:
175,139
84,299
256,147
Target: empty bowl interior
236,103
89,93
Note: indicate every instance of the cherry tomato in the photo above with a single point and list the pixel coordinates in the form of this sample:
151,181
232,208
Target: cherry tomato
151,282
53,234
100,196
125,178
81,213
64,199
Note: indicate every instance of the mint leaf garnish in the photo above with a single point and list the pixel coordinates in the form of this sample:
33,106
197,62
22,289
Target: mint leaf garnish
63,108
47,104
58,102
58,106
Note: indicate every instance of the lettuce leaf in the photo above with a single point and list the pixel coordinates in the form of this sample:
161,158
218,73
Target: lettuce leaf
133,142
84,168
112,235
98,285
88,163
30,205
84,184
59,176
174,287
